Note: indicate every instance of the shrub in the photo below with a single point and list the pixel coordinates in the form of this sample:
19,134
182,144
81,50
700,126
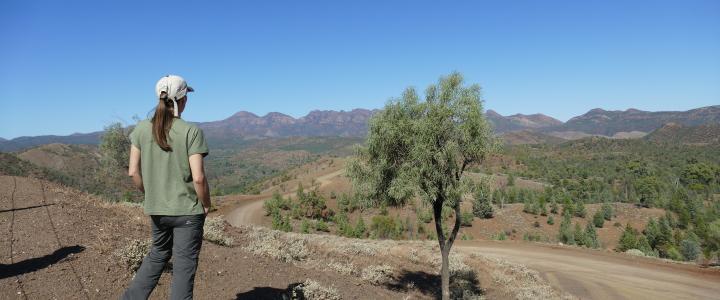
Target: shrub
281,223
553,207
320,225
579,235
591,238
275,203
551,220
565,234
384,227
133,253
466,218
607,211
360,229
305,226
598,219
500,236
214,232
312,290
425,215
377,275
690,249
628,239
580,209
482,207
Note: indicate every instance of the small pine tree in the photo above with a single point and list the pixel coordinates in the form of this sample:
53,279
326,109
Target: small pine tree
628,239
579,235
598,219
580,209
607,211
360,228
591,238
565,234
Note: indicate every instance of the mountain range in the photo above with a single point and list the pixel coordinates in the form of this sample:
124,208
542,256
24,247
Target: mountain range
631,123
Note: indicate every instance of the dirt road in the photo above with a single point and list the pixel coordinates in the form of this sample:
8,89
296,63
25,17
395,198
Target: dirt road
592,274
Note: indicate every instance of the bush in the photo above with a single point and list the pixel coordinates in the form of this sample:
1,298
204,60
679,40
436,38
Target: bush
591,238
482,207
214,232
305,226
277,202
565,234
550,220
425,215
466,218
607,211
533,237
312,290
500,236
690,249
553,207
628,239
377,275
360,229
133,253
320,225
598,219
281,223
580,209
384,227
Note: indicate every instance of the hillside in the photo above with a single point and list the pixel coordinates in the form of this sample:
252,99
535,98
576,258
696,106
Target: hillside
608,123
682,134
502,124
526,137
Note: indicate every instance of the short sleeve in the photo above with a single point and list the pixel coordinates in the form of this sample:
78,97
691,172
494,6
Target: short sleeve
134,138
196,142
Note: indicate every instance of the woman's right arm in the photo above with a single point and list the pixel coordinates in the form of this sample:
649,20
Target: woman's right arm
199,180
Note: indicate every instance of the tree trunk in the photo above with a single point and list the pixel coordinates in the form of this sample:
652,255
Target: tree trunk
445,244
445,273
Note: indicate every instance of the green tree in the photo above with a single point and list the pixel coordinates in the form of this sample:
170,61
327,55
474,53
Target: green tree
424,148
114,156
698,176
607,211
628,239
598,219
591,238
565,234
482,207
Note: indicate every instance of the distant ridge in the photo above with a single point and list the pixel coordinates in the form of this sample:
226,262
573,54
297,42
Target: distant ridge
243,125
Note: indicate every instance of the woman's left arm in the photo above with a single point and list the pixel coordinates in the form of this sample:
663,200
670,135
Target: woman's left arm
134,170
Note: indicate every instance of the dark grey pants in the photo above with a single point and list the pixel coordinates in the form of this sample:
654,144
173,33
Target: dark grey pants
178,236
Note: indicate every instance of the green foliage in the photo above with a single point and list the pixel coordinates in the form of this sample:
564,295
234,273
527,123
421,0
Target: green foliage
320,225
482,207
690,249
277,202
553,207
628,239
534,237
500,236
598,219
591,238
466,218
360,230
384,227
565,234
580,209
280,222
550,220
311,203
607,211
305,226
425,215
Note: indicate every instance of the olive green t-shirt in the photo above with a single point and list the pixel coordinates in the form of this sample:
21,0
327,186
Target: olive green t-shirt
167,178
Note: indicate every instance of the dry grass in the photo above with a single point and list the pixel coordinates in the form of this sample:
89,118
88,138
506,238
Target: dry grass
286,247
343,268
312,290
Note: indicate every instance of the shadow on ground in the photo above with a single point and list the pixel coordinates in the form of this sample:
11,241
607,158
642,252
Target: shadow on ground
429,284
269,293
38,263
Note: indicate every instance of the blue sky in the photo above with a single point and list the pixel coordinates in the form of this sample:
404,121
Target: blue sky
76,66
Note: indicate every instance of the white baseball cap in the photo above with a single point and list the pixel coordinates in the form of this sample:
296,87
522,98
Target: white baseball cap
175,87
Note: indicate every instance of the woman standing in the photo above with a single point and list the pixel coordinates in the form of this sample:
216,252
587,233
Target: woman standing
166,163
